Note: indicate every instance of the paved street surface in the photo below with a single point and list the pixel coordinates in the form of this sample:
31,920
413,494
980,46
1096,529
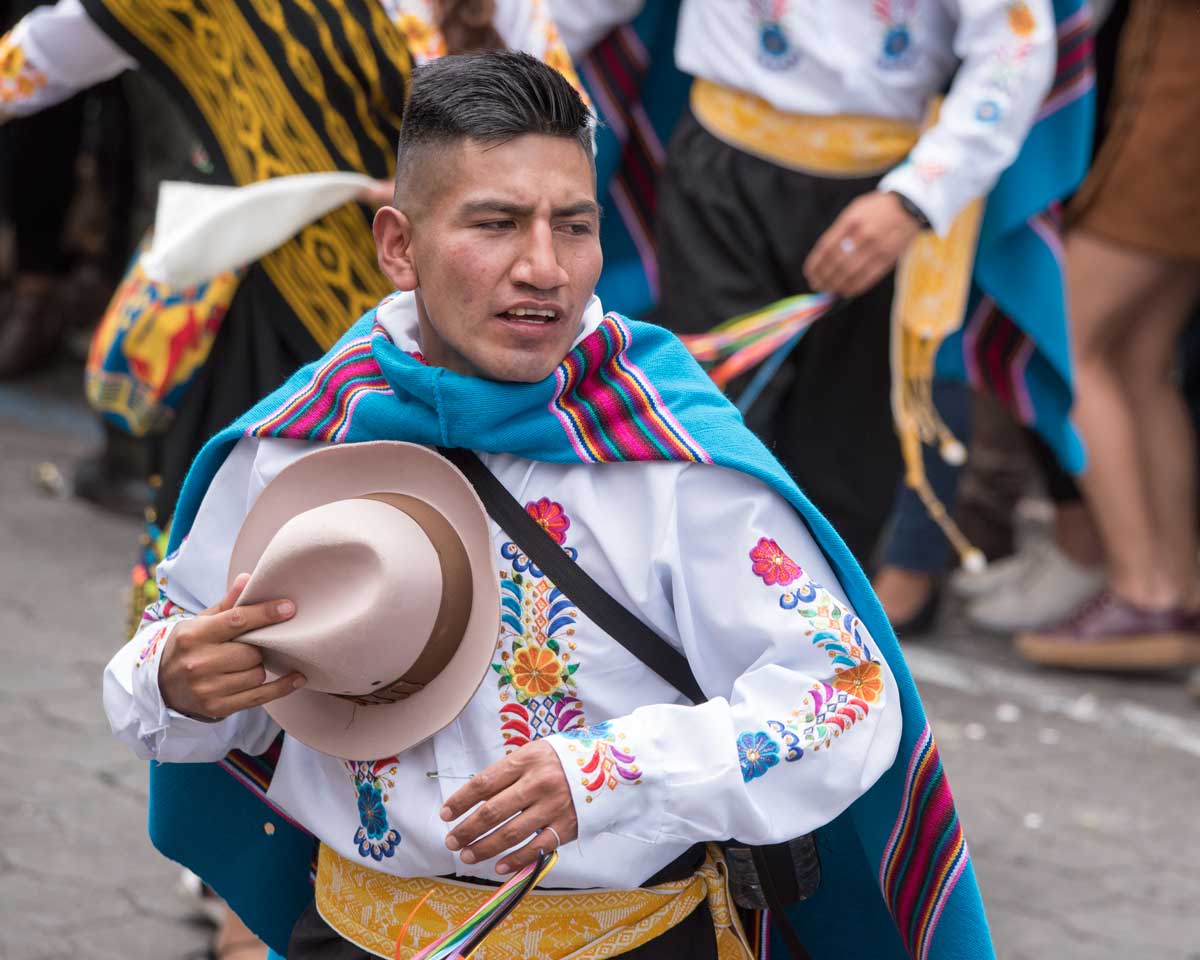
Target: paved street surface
1080,795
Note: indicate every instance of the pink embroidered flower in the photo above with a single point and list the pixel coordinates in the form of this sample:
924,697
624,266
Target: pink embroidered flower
551,517
772,564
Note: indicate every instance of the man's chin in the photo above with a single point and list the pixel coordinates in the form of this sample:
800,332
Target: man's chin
521,367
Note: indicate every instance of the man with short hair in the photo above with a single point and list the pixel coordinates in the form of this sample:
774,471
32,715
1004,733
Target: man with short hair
628,457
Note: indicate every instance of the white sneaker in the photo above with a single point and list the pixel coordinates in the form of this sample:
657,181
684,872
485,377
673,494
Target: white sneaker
1050,587
996,576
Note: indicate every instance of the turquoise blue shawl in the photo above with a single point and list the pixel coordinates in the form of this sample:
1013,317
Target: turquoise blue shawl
897,883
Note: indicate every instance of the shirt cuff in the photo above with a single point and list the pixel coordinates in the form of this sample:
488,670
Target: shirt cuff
906,179
155,718
602,770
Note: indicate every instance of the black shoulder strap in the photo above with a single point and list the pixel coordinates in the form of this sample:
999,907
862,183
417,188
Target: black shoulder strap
609,615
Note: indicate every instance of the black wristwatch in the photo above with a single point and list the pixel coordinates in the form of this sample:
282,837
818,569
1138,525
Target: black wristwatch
912,210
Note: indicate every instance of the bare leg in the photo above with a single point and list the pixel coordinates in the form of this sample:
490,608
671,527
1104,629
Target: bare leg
1166,438
1076,534
903,593
1118,297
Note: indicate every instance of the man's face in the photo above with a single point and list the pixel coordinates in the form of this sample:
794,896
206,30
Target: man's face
502,245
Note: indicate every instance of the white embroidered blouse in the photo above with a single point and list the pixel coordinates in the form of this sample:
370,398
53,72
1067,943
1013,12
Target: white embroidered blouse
804,715
882,58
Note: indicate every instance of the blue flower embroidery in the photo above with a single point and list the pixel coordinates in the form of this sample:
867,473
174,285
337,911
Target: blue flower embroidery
757,753
375,837
370,811
597,731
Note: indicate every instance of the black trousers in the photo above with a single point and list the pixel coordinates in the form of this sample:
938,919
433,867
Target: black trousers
692,939
733,233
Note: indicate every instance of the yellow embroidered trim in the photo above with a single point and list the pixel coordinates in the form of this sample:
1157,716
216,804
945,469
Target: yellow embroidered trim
829,146
327,273
369,908
933,281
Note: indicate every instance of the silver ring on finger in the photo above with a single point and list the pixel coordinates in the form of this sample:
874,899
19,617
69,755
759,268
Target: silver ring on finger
557,839
847,245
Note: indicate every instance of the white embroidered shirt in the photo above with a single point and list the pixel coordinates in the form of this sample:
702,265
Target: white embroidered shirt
804,714
880,58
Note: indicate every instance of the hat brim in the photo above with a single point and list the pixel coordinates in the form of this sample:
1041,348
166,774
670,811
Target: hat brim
339,727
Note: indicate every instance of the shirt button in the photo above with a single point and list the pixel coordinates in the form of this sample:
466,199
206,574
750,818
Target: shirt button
269,828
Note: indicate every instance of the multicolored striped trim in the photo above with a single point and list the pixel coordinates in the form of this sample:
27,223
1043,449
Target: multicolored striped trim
926,853
255,773
997,354
1075,74
610,410
323,408
615,70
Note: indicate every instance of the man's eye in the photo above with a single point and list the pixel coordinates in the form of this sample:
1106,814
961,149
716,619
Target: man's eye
496,225
577,229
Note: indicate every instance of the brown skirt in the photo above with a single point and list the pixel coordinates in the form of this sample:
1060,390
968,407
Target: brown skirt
1144,189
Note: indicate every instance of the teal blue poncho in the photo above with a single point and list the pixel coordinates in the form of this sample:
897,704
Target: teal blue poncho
897,880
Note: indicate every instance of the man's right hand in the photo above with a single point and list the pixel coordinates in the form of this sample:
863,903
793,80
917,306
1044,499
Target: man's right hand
207,674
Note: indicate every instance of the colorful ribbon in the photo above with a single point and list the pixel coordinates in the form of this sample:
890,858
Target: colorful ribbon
463,940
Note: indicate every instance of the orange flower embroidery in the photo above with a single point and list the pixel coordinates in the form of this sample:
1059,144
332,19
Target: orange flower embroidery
1020,18
536,671
864,681
18,80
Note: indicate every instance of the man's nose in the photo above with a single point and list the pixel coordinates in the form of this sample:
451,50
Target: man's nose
538,265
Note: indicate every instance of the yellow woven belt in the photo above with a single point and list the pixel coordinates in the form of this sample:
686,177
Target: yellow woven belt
828,146
370,909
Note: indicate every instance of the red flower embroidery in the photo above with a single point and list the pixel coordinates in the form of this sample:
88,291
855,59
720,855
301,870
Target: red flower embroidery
551,517
772,564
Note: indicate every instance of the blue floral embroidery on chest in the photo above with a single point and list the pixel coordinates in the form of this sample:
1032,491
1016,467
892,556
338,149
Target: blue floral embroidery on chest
898,51
375,836
775,49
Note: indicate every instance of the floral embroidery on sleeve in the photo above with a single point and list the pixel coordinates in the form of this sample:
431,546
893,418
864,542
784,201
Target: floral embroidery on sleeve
165,614
19,80
828,709
610,764
372,780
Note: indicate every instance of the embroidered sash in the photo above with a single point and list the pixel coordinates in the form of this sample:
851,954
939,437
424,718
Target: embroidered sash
933,277
373,909
275,88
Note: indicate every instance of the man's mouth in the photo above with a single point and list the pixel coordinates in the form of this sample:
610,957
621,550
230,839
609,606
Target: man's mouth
530,315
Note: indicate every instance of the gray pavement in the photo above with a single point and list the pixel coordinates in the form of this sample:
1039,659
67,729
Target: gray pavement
1079,795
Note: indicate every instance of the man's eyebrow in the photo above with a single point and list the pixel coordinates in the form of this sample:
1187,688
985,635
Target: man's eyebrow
508,209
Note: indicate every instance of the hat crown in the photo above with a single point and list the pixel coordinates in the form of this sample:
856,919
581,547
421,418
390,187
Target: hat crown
366,582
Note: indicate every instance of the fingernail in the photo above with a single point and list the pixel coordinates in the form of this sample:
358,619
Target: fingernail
467,857
298,683
447,814
503,868
285,608
452,843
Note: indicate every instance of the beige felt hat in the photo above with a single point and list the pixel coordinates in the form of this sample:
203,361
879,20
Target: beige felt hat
386,551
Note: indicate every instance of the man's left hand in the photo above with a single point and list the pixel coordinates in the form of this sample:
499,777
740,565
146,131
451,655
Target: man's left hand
861,246
527,791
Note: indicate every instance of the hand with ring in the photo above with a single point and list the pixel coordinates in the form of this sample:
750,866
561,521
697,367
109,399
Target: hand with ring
861,246
522,796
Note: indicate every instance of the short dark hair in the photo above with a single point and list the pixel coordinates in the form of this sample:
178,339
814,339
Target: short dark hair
491,96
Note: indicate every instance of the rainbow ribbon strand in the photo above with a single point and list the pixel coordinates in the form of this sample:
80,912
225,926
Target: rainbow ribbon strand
743,342
463,940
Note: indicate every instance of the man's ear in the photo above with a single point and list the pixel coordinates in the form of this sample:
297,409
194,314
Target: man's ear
393,247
